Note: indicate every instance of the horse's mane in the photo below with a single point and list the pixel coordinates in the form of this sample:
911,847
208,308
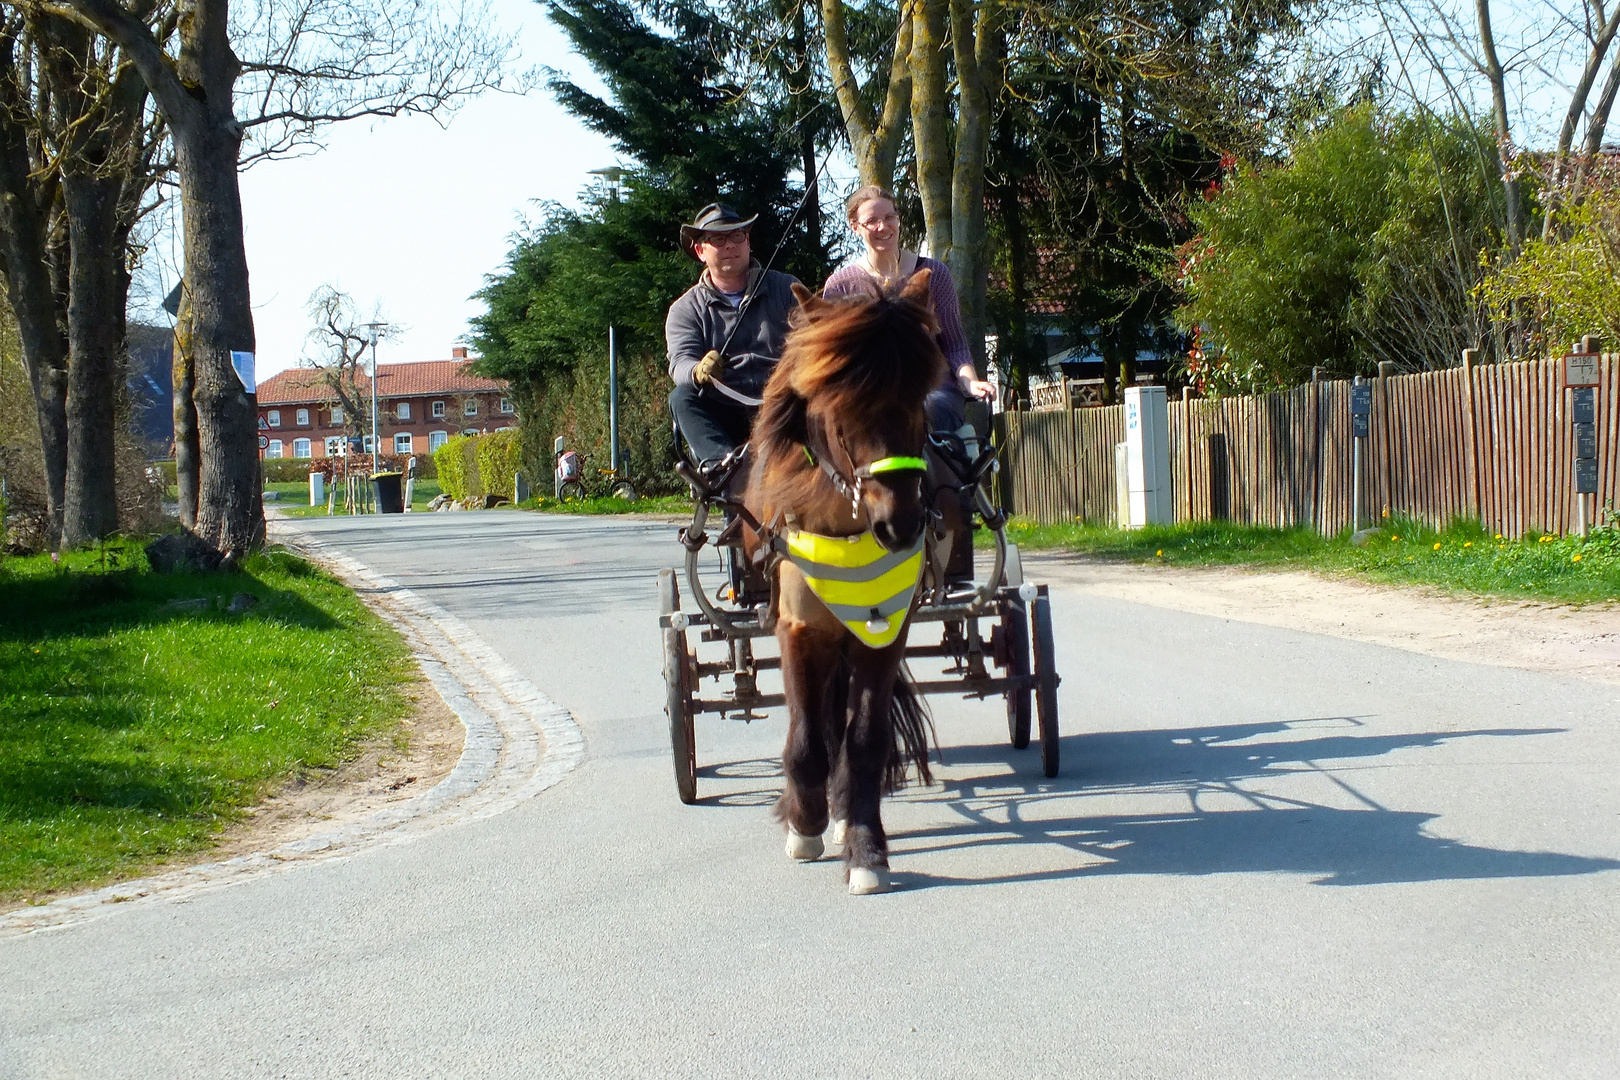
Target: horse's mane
869,361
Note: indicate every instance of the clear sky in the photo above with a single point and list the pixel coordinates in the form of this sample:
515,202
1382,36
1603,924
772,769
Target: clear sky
403,214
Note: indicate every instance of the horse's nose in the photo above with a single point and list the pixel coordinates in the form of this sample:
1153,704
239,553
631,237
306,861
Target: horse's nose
896,536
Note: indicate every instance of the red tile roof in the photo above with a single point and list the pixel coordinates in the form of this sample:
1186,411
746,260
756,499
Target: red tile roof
421,379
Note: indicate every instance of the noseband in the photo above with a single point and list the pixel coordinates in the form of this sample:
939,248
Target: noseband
850,487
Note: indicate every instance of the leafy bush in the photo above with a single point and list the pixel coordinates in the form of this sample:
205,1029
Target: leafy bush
1363,247
457,465
1566,282
498,457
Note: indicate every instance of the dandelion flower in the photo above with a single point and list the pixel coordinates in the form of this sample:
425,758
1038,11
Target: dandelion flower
1393,539
1499,536
1437,547
1468,543
1159,553
1574,558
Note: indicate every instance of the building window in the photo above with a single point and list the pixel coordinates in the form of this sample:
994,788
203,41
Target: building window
337,415
300,448
437,439
438,408
302,417
274,417
365,444
402,442
470,408
274,449
506,405
469,431
334,446
403,410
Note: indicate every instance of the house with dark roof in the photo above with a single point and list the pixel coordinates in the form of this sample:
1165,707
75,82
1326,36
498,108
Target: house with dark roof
419,406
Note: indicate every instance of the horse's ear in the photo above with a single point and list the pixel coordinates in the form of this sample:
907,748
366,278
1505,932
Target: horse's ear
809,302
916,290
782,418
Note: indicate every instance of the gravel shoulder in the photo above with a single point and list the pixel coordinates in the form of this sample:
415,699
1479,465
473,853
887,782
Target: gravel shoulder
1580,642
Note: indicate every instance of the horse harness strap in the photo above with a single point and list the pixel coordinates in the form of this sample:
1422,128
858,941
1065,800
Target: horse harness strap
867,587
851,489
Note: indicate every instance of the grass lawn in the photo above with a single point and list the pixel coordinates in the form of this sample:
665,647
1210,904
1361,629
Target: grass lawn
294,498
607,504
1462,558
137,723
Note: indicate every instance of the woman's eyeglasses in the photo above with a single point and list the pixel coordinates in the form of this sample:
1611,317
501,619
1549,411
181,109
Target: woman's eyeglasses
891,220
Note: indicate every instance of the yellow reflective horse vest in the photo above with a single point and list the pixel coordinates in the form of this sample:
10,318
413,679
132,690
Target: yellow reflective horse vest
867,587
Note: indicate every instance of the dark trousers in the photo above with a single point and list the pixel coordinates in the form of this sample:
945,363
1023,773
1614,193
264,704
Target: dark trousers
712,424
946,408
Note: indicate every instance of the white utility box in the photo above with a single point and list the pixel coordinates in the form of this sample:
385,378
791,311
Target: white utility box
317,488
1147,452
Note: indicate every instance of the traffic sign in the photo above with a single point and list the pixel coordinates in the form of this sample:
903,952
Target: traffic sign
1581,369
264,441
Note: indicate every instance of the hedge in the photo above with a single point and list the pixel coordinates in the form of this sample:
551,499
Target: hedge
457,465
500,455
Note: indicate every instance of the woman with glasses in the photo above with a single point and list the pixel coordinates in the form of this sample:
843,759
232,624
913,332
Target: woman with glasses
884,266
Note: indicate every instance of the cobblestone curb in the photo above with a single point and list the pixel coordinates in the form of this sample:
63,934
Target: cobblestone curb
519,743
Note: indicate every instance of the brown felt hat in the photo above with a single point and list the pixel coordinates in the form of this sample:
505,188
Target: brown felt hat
716,217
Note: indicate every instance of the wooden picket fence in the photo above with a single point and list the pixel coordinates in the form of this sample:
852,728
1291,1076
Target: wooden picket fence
1492,442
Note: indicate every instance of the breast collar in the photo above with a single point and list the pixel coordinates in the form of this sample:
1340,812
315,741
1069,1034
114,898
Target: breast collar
867,587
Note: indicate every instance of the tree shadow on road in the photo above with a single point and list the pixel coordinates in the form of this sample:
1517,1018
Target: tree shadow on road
1263,767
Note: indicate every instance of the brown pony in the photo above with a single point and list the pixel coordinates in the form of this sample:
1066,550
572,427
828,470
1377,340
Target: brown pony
847,395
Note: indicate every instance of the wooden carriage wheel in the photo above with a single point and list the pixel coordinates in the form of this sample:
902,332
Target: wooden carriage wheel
1014,647
1046,683
679,679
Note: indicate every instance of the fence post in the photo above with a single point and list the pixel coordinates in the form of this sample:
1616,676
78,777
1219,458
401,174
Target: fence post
1385,451
1470,357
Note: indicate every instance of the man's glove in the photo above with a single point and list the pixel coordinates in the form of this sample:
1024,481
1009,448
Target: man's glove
708,367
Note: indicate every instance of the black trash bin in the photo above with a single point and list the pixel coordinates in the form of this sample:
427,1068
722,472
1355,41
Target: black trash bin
389,488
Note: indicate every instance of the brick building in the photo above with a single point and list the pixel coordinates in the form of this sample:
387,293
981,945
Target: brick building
419,406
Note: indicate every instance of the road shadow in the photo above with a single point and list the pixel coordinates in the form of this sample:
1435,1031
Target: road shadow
1364,844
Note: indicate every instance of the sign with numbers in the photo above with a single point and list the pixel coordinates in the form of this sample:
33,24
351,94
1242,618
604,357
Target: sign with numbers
1586,441
1585,403
1581,369
1361,400
1586,476
264,441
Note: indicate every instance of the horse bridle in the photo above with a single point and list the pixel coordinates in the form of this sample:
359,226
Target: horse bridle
850,486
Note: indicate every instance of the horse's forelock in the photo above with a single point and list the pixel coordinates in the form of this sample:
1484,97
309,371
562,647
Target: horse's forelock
859,356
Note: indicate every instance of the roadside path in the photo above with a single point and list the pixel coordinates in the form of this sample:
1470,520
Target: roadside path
1271,853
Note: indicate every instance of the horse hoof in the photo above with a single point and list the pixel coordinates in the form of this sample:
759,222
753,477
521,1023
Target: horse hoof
804,848
864,882
840,827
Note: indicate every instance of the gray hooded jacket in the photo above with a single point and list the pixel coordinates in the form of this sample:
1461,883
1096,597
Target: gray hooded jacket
702,316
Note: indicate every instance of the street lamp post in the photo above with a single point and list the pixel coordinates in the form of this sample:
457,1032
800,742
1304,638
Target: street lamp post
376,329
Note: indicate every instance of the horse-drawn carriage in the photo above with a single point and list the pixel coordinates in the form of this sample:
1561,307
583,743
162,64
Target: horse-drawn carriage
995,629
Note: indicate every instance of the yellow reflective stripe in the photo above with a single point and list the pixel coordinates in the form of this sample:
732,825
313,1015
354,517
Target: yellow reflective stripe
896,464
836,550
869,593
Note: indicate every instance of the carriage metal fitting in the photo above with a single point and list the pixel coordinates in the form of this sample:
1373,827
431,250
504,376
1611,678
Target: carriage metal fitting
693,541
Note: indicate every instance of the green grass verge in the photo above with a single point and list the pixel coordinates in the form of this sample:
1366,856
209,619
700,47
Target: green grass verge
650,504
138,717
294,499
1462,558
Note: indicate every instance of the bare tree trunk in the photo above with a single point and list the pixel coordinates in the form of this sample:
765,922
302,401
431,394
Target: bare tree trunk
187,454
876,143
1572,117
931,123
801,86
194,95
1504,133
97,291
28,199
1598,124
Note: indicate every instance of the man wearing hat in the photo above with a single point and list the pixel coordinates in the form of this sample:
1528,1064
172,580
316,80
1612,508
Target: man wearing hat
724,334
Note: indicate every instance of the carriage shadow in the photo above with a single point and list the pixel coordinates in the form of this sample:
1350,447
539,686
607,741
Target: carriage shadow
1262,766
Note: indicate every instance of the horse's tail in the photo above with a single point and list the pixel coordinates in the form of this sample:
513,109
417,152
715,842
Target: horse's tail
913,732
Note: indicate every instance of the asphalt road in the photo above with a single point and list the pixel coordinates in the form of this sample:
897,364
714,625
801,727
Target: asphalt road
1270,854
